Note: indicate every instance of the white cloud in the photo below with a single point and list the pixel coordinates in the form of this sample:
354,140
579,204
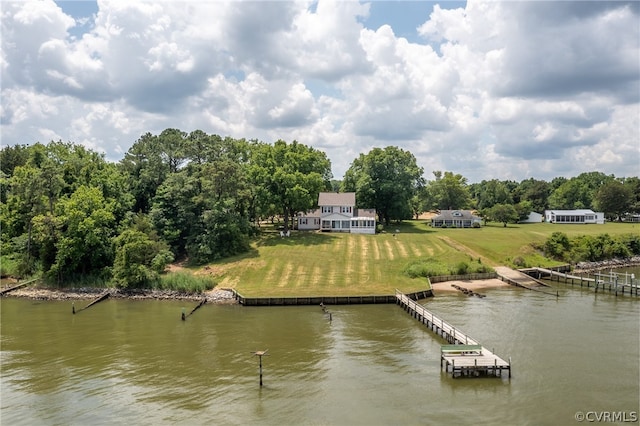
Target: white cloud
505,90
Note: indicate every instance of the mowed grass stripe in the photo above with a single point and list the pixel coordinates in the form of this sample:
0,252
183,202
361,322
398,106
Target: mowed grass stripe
401,249
415,249
364,243
375,244
388,248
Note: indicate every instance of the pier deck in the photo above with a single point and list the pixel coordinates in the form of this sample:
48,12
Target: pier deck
464,356
613,282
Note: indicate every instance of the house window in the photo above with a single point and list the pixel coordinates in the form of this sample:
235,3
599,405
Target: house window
345,224
345,209
302,221
326,224
327,209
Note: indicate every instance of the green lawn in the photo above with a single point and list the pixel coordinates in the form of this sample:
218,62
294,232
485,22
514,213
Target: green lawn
329,264
500,245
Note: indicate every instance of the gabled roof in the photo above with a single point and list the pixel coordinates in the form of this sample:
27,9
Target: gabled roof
337,199
455,214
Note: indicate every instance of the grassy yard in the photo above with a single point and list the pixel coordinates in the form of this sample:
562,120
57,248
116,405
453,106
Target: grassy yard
329,264
500,245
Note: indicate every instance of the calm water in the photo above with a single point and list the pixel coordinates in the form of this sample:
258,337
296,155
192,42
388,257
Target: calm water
135,362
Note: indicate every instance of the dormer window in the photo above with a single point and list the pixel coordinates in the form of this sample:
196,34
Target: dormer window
456,214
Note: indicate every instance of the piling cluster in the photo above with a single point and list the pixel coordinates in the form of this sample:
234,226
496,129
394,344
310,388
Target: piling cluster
467,291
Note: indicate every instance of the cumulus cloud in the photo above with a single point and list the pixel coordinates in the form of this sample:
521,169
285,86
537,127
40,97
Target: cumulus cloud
505,90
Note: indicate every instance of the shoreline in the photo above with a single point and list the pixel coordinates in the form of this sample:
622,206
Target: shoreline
220,296
586,267
227,296
216,296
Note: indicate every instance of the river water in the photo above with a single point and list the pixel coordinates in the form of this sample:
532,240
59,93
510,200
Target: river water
136,362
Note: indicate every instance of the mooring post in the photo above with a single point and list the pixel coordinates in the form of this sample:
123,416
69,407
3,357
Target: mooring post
184,316
260,354
73,308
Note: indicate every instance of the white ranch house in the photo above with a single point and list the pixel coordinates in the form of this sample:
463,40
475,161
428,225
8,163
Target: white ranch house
573,216
337,212
455,219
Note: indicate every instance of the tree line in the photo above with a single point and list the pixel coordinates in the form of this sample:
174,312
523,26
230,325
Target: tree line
68,212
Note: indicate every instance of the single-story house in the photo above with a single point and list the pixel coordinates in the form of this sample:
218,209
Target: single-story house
574,216
455,219
337,212
533,217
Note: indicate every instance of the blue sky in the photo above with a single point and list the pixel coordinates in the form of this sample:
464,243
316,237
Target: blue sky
506,90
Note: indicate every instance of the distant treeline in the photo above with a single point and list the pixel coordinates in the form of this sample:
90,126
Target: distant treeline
67,212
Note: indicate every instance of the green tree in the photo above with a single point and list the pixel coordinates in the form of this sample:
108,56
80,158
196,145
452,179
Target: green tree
633,183
504,213
292,175
146,168
492,192
387,180
536,192
448,191
578,192
614,199
139,258
86,226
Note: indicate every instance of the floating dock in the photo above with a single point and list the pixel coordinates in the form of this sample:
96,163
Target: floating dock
464,356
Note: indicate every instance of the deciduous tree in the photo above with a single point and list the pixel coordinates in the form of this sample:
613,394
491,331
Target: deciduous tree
385,179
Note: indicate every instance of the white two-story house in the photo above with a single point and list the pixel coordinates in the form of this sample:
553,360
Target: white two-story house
337,212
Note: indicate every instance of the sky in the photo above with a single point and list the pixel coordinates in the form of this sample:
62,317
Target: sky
490,90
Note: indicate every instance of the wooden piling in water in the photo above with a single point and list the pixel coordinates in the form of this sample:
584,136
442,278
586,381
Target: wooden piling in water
99,299
17,286
198,306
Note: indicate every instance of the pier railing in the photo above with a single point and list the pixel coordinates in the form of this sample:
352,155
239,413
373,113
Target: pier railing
464,356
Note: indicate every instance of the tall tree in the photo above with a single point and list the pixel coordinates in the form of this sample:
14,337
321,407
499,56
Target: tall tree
292,175
536,192
614,199
87,225
492,192
147,170
578,192
448,191
385,179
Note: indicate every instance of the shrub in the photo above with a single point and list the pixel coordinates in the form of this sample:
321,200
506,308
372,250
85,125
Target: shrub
519,261
461,268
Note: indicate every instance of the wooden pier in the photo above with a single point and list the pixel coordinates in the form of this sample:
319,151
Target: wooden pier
464,356
618,283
